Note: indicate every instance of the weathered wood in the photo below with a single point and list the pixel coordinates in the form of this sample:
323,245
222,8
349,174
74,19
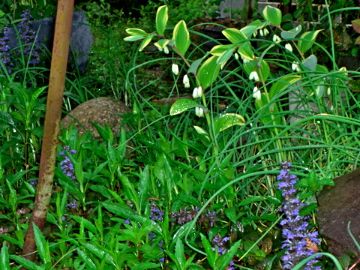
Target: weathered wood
52,122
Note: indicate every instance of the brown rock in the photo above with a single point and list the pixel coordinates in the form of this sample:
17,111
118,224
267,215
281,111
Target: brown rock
103,111
337,206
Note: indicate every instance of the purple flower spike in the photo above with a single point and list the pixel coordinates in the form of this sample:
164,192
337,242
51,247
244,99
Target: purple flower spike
298,242
66,165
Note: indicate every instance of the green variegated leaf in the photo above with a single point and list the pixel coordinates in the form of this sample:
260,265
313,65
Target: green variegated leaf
182,105
145,42
272,15
228,120
246,51
161,19
251,28
136,32
291,34
181,37
234,35
307,40
224,57
208,72
220,49
133,38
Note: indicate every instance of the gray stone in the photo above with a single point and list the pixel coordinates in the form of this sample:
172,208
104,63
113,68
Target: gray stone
80,43
338,206
102,111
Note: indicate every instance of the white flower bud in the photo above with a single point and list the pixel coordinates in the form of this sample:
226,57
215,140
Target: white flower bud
276,39
288,47
295,66
328,91
254,76
236,55
166,50
175,69
186,81
197,92
255,34
266,32
199,111
256,93
261,32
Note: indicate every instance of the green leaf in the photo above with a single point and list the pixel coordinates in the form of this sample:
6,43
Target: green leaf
145,42
42,245
136,32
291,34
246,51
310,62
208,72
223,58
211,255
26,263
224,260
272,15
307,40
228,120
133,38
179,252
195,65
101,254
220,49
251,28
86,223
86,259
181,37
283,83
182,105
161,19
234,35
4,258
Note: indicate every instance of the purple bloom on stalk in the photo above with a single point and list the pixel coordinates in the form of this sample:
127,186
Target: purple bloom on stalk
295,227
66,165
5,56
73,204
155,213
28,38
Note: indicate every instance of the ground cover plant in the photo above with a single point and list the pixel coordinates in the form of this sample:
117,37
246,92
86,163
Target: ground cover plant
228,143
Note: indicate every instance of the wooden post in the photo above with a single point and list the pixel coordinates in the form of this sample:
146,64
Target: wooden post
52,121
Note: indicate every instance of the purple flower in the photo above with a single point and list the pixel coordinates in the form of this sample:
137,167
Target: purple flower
5,56
295,228
155,213
72,204
28,38
66,165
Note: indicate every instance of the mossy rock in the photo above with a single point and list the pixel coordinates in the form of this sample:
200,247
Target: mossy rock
102,111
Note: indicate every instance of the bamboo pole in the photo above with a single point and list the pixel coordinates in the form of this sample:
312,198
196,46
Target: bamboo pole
52,121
